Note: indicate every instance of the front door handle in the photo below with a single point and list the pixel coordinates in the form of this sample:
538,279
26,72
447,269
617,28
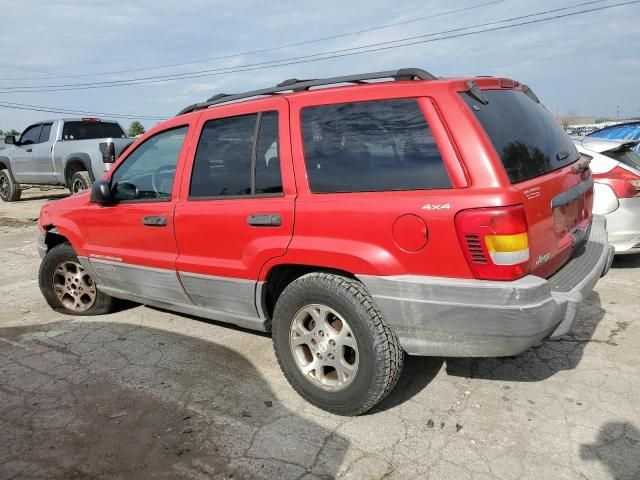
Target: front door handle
29,150
265,220
155,221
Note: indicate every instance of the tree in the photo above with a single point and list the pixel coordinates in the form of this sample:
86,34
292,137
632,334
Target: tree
13,131
135,129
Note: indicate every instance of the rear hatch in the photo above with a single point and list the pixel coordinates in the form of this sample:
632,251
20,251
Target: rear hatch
544,166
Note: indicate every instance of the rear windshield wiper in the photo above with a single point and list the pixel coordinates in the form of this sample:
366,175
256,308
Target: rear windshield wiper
477,93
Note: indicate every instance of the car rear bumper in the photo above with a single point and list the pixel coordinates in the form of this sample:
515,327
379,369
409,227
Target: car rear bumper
478,318
623,225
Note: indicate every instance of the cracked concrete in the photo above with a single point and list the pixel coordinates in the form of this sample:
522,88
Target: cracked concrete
145,393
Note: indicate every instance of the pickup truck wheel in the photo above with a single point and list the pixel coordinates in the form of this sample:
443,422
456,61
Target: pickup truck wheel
9,189
67,286
333,345
80,181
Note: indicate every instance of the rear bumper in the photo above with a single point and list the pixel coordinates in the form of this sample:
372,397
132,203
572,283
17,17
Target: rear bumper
478,318
623,225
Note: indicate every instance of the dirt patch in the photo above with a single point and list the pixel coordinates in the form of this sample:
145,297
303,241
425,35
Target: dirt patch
17,222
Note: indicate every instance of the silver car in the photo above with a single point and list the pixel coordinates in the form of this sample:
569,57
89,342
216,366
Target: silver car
616,175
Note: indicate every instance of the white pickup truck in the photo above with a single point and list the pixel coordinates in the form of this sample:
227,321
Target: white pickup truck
72,152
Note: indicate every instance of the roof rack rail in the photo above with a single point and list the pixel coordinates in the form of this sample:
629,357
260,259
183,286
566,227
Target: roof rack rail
295,85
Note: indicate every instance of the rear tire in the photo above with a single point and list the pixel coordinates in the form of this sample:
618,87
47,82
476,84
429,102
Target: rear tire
9,188
68,288
80,181
321,317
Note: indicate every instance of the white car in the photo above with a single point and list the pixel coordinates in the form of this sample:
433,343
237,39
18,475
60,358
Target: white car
616,175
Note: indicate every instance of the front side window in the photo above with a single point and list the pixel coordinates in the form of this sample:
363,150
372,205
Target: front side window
231,162
148,172
370,147
30,135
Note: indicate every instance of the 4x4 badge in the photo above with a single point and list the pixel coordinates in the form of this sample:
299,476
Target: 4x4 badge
433,206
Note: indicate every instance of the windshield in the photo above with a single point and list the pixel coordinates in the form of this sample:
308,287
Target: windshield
527,138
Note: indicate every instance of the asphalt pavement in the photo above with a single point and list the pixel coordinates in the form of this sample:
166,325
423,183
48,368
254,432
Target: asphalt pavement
144,393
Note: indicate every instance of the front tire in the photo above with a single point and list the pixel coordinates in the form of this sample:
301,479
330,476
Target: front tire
9,188
67,286
80,181
333,344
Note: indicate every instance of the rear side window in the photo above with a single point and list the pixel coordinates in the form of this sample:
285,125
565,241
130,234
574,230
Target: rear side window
231,162
45,133
91,130
369,147
527,138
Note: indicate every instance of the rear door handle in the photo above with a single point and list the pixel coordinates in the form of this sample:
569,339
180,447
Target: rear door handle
265,220
155,221
29,150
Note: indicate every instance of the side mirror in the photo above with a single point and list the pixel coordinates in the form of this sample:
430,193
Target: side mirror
125,191
101,193
10,139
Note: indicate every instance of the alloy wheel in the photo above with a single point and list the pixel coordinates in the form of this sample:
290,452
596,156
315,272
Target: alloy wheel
77,186
74,287
4,186
324,347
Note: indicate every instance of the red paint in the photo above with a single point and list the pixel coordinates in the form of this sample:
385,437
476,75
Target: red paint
410,233
382,233
624,183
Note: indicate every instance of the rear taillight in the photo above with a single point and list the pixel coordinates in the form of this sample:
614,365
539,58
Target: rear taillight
624,183
108,150
495,241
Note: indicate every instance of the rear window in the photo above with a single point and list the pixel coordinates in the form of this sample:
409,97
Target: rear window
527,138
625,155
371,146
91,130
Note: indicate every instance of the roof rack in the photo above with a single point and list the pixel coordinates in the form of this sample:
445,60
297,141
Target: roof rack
294,85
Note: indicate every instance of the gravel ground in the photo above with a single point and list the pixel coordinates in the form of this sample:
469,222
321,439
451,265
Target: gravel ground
145,393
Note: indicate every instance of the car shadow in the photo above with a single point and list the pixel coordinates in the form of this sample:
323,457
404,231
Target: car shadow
617,448
86,399
626,261
417,374
542,361
47,194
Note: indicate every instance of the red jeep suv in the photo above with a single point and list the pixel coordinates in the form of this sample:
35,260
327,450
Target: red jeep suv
393,212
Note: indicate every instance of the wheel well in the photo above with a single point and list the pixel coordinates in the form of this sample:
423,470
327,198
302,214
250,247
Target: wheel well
3,165
52,239
280,276
74,165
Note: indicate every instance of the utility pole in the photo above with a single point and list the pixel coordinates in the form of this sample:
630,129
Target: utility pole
618,113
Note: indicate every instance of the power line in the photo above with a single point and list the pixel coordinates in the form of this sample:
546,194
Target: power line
319,56
25,69
270,49
199,73
40,108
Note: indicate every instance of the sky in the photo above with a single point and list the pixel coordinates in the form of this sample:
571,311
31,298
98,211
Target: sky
584,64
